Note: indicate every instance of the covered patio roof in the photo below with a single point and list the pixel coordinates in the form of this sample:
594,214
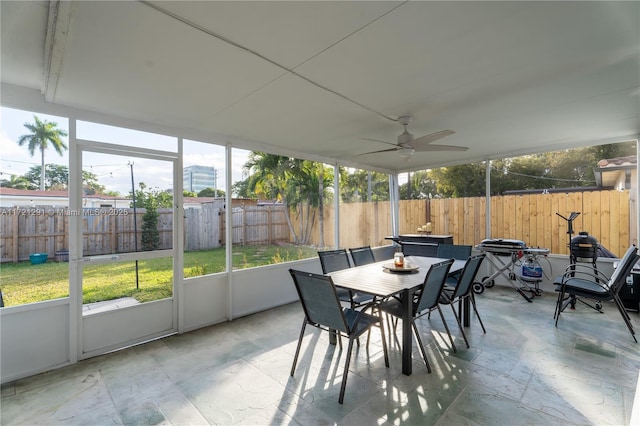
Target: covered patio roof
328,81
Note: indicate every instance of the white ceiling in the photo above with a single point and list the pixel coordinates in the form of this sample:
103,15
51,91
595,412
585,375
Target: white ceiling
310,77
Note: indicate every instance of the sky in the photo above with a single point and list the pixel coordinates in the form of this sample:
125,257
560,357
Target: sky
114,172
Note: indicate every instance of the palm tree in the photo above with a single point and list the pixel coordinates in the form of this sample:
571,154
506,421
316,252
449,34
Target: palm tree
43,134
268,176
15,181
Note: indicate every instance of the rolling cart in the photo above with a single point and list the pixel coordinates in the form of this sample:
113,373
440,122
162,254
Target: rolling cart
517,263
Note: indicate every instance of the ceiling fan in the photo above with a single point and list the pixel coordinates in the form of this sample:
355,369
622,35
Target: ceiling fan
407,144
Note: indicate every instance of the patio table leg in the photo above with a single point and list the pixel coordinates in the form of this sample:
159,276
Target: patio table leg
463,312
407,338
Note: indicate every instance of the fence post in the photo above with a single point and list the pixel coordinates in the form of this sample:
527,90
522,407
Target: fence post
112,233
269,225
15,237
244,225
221,226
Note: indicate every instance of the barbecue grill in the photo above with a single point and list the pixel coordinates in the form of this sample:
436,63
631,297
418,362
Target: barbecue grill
583,246
530,274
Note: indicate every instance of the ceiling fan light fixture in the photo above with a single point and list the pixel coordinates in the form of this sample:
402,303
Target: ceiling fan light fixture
406,151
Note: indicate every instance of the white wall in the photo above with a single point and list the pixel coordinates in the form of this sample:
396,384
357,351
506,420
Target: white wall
37,337
34,338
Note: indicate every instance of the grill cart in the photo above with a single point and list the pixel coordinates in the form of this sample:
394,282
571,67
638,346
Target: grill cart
515,261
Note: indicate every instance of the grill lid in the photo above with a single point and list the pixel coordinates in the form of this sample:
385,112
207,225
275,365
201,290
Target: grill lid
584,240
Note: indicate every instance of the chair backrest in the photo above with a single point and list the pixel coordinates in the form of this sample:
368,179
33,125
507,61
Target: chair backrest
334,260
619,276
469,272
362,255
319,300
455,251
433,285
410,248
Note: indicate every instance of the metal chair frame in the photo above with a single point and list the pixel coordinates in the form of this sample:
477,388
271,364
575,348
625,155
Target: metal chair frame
322,309
464,290
362,255
584,282
429,295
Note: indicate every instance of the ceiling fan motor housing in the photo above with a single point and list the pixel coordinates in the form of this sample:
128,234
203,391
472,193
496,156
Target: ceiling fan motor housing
404,138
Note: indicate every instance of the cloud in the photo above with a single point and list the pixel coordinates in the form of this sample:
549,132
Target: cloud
15,160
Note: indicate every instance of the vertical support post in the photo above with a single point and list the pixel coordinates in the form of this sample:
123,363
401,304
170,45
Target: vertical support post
228,234
636,197
75,245
394,194
135,221
336,206
487,194
178,237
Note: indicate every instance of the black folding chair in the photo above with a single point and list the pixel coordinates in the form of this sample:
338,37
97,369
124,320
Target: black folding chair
322,309
428,300
584,282
462,292
362,255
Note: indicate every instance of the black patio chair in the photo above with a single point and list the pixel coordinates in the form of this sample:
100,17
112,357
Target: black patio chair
584,282
336,260
362,255
322,309
455,251
429,295
463,291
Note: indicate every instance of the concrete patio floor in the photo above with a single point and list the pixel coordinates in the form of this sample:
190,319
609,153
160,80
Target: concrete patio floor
523,371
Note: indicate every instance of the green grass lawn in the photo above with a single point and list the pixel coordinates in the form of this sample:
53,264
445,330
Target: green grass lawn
25,283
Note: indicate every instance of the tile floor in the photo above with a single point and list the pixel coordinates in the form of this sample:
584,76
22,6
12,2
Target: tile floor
523,371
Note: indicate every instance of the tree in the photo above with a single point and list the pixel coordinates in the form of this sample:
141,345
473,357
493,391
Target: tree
309,185
151,199
419,186
150,236
90,183
268,175
211,192
240,189
191,194
293,182
15,181
467,180
354,187
43,134
58,178
559,169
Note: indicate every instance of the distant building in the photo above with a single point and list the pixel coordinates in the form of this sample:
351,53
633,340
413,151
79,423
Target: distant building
11,197
197,178
617,173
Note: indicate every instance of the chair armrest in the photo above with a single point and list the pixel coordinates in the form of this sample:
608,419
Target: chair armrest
580,269
589,278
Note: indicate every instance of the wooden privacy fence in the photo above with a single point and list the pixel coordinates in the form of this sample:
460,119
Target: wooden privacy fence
607,215
27,230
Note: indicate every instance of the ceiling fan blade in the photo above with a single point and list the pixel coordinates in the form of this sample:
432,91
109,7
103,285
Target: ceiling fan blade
428,147
378,140
432,137
382,150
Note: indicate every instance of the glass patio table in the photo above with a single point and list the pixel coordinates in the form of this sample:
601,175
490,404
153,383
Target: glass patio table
382,282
